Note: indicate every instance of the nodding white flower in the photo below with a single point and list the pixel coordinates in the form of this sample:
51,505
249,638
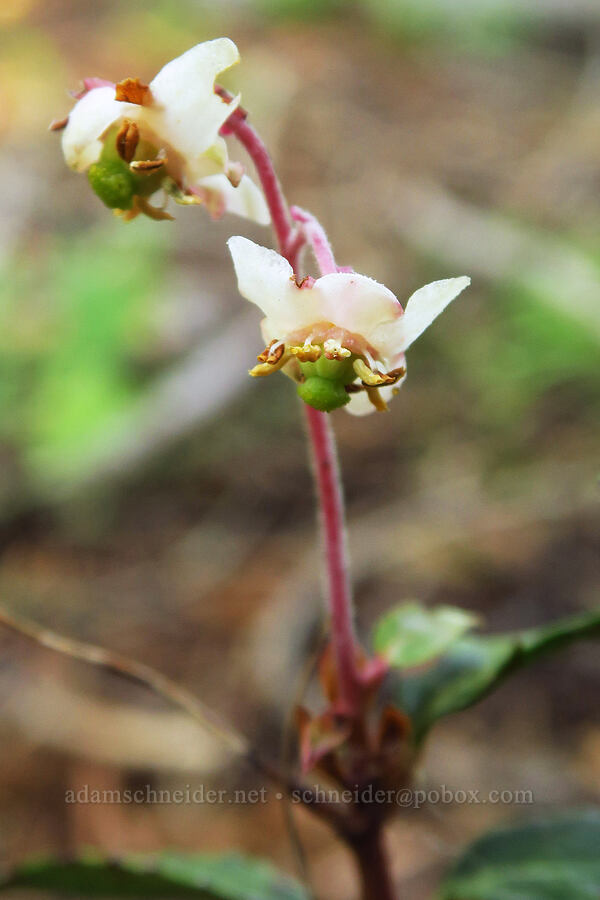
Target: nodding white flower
132,138
343,337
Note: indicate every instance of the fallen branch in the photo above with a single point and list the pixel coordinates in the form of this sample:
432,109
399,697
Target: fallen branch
141,674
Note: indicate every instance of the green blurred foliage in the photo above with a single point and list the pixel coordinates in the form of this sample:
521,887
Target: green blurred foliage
491,26
547,859
72,320
519,348
228,877
303,10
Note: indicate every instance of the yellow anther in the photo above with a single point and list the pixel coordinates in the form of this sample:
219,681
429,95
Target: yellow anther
334,350
147,166
270,360
132,90
366,375
306,352
377,379
272,354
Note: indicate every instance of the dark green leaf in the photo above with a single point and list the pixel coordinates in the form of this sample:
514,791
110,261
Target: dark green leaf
411,634
230,877
473,666
556,859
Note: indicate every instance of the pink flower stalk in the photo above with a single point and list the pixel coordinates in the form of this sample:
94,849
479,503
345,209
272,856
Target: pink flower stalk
329,492
316,237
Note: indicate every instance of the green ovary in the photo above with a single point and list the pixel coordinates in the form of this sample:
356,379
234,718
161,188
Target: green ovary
332,369
113,181
324,384
322,393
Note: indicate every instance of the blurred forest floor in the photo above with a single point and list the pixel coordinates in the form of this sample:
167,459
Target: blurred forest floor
156,507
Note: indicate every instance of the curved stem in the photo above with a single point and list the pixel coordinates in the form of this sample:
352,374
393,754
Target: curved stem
280,217
316,236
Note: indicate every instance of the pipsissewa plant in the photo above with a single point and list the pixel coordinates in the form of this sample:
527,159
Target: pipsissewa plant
341,337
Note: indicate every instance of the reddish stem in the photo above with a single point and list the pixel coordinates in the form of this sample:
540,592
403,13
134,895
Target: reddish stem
315,234
326,470
280,217
332,521
367,847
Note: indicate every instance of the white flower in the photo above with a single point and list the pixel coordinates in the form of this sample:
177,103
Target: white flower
350,329
165,134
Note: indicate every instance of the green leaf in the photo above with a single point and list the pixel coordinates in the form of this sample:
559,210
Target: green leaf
474,666
553,859
411,634
230,877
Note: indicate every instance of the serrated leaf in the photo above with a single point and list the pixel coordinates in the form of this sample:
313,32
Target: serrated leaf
553,859
411,634
475,665
229,877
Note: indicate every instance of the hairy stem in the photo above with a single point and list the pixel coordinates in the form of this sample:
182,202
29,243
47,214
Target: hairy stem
331,505
368,848
315,234
280,216
329,492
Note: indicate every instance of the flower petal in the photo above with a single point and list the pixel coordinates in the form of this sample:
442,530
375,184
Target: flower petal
360,305
356,302
267,279
244,200
424,306
360,405
185,109
88,120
